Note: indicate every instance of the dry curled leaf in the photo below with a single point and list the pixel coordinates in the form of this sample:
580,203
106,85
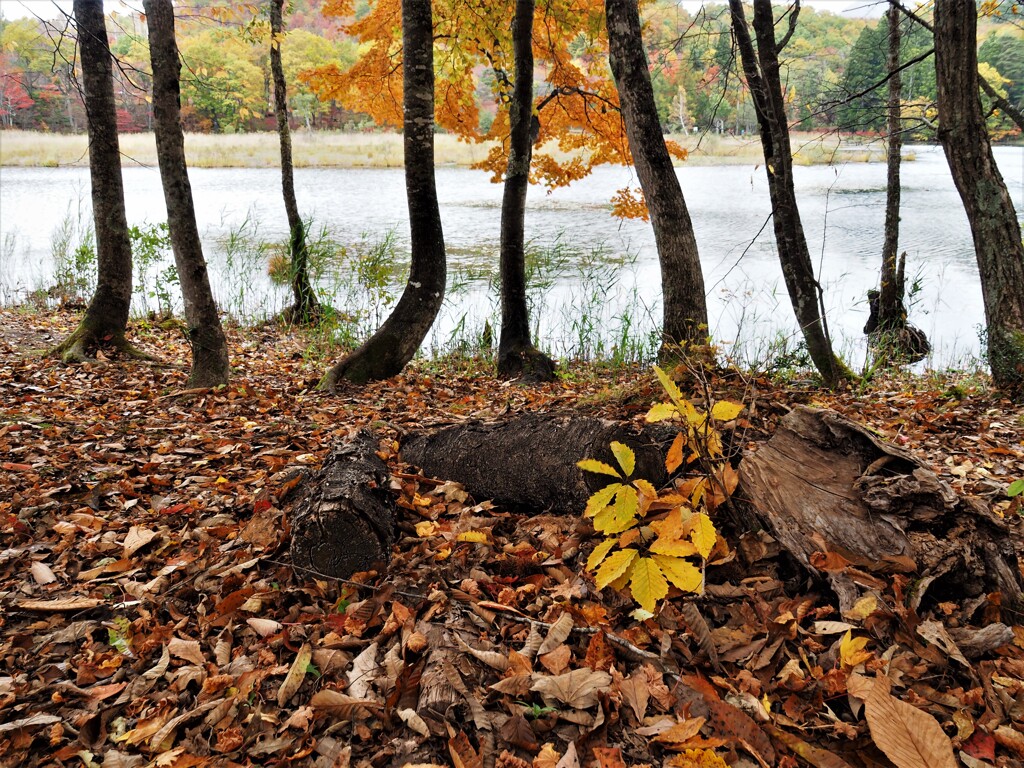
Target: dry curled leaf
557,635
577,689
296,674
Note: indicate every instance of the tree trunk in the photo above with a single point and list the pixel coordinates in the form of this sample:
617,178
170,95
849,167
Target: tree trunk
106,317
393,345
344,520
762,74
891,314
205,334
306,308
685,307
994,225
840,500
516,354
531,460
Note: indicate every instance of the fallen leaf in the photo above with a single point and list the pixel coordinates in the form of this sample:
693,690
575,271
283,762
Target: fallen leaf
296,674
577,689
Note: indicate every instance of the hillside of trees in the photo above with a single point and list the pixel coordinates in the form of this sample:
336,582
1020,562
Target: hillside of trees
226,84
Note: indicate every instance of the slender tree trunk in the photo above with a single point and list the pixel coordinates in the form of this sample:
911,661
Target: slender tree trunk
685,307
516,354
994,225
762,74
306,307
393,345
205,334
891,314
106,317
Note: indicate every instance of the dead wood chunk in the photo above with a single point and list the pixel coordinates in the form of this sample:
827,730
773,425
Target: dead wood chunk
344,521
824,484
975,643
531,460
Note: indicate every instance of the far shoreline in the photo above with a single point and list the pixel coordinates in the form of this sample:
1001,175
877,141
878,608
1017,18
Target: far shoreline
336,149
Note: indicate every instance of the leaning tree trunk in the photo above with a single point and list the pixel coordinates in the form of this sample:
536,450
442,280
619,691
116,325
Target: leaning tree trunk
685,307
306,307
393,345
517,357
106,317
762,73
205,334
994,225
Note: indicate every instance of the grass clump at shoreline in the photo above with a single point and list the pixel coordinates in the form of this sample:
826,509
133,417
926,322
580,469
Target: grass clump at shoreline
334,149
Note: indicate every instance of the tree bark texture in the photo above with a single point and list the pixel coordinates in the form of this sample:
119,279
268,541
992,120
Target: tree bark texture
209,345
344,520
825,485
891,314
306,307
685,306
994,226
517,356
761,69
393,345
106,317
531,460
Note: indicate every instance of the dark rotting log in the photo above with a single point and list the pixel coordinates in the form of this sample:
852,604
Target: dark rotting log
344,520
530,461
824,484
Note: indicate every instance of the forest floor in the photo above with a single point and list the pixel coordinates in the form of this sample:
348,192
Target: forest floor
149,614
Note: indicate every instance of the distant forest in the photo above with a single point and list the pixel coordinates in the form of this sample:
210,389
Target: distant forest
828,65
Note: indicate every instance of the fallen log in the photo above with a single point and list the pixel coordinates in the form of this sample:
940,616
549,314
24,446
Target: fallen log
530,461
344,519
840,499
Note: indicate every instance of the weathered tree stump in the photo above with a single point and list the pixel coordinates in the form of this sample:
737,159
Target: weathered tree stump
825,485
344,520
531,460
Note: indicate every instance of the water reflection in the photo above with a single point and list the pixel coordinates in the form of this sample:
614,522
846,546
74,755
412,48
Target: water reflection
600,273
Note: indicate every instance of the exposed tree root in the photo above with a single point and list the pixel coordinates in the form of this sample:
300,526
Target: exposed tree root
527,364
75,348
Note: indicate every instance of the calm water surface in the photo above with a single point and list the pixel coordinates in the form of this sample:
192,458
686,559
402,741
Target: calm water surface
608,279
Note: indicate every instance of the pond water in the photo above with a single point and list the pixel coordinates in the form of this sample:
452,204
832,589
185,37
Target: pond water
596,278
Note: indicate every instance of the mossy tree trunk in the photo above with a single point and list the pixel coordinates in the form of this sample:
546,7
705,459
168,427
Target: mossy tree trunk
393,345
306,307
891,313
685,306
761,69
106,318
517,356
994,226
205,333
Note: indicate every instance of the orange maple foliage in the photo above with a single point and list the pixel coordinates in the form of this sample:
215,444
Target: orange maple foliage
580,125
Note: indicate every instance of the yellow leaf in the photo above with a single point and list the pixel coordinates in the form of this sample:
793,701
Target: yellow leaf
726,411
697,495
662,412
600,553
479,537
671,388
598,467
851,650
625,456
674,547
674,457
646,488
648,584
427,528
614,567
682,573
620,515
602,498
703,534
621,582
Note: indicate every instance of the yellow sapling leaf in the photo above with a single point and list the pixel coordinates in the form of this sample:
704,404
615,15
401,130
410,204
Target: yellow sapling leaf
600,553
661,412
602,498
598,467
615,566
625,456
703,534
620,515
670,387
726,411
682,573
648,584
646,488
